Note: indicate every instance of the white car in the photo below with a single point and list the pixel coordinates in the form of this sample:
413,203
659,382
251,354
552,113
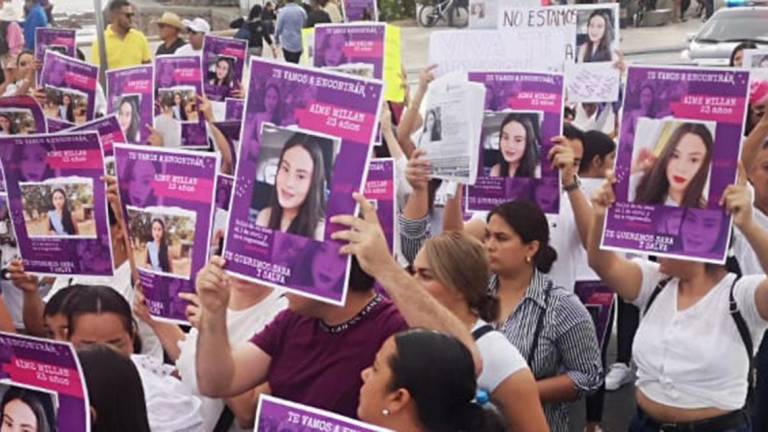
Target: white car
713,43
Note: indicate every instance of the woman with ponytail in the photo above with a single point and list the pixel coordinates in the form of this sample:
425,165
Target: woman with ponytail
547,324
453,269
424,381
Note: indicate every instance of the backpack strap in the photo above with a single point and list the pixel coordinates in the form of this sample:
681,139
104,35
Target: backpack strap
481,331
746,337
539,326
656,291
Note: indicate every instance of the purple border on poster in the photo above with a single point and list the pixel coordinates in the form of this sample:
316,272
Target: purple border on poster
380,188
234,109
278,414
134,85
20,107
360,10
65,74
595,295
231,131
183,74
167,182
109,132
59,38
50,367
234,53
339,109
51,162
362,43
524,92
707,108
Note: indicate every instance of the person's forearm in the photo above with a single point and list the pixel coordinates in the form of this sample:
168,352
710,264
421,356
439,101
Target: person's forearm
408,122
559,388
392,144
6,321
32,313
753,143
170,335
215,365
223,145
596,257
419,309
453,219
758,240
243,406
582,213
417,206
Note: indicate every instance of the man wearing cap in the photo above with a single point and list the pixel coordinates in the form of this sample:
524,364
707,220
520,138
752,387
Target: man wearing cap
170,27
125,46
196,31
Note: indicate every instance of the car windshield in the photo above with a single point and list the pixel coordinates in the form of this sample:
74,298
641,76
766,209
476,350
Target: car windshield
732,28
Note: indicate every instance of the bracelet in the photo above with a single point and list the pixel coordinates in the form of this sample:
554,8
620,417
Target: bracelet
573,186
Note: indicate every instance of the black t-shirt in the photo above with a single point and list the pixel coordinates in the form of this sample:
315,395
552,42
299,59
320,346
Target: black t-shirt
317,16
162,50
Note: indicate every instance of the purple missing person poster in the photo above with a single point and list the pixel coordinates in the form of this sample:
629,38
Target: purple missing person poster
380,191
360,10
167,197
678,151
20,115
231,131
58,203
109,130
598,299
130,96
304,149
282,415
59,40
234,109
45,377
524,111
178,85
351,48
70,88
223,65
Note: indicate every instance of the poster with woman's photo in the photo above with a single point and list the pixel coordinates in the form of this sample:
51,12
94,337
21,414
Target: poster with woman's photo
524,112
70,89
304,149
20,115
223,65
59,40
130,96
339,45
380,191
42,387
756,58
168,201
231,131
598,298
274,414
360,10
58,203
234,109
678,151
109,130
178,87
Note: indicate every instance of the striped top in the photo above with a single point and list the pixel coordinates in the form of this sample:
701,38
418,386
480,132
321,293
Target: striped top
567,342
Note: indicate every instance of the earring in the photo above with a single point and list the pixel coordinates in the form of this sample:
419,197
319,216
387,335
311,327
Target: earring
528,259
385,412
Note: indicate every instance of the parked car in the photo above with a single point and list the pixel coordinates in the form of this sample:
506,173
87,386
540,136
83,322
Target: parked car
713,43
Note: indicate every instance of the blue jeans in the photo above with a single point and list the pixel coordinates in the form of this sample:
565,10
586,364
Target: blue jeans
642,423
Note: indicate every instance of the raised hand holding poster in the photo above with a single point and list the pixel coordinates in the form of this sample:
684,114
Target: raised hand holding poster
303,151
178,85
130,96
223,63
380,191
44,377
678,151
59,40
167,197
58,203
70,90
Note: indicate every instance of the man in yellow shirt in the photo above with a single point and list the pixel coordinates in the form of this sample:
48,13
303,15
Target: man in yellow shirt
125,45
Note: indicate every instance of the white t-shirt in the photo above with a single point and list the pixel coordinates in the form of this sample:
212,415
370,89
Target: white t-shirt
747,258
241,326
694,358
500,359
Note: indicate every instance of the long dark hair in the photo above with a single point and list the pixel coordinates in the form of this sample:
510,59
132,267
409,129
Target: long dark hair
654,186
12,129
596,145
105,370
132,133
438,372
277,116
227,81
255,13
435,132
127,177
323,45
99,299
604,47
740,47
529,223
39,403
66,213
70,108
530,159
182,107
165,262
313,208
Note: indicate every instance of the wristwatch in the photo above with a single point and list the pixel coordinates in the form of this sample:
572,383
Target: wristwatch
573,186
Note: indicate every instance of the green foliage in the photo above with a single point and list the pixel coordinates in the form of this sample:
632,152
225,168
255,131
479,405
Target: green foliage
391,10
39,198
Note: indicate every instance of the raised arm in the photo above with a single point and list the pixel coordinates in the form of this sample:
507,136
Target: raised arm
453,216
222,371
620,274
411,118
419,309
563,159
388,133
32,304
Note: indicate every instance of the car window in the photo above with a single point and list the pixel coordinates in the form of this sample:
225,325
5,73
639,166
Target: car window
732,28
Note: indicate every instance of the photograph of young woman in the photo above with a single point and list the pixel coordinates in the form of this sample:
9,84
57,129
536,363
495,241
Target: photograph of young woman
7,126
518,148
128,118
157,248
600,38
224,74
60,221
27,410
330,50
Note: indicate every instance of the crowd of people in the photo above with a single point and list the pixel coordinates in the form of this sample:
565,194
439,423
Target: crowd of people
472,325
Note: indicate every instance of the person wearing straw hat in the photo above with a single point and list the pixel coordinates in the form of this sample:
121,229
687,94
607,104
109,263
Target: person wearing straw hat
170,28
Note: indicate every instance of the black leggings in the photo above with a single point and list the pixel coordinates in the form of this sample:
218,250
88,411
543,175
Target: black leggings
759,413
628,318
596,401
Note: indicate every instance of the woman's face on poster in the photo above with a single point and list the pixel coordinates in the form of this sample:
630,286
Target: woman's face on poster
596,28
545,195
125,115
334,50
672,219
327,268
222,69
512,142
294,177
33,163
700,230
5,123
59,200
18,417
66,100
140,186
271,99
686,160
646,98
429,123
177,98
157,231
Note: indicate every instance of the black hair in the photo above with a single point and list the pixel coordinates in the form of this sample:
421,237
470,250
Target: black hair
530,159
596,145
116,5
438,372
255,12
573,133
70,110
115,391
39,403
132,133
55,304
66,214
569,112
98,299
603,51
162,248
529,223
740,47
12,129
359,280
